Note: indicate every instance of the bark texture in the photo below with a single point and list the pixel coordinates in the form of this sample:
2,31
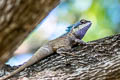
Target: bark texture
17,19
98,60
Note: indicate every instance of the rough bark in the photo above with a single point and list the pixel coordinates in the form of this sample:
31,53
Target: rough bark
98,60
17,19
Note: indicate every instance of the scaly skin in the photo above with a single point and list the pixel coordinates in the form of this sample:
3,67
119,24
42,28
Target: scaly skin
59,45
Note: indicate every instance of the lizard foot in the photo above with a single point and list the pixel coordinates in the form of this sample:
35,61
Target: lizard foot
80,42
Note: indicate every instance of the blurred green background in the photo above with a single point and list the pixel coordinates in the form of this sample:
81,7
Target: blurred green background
104,14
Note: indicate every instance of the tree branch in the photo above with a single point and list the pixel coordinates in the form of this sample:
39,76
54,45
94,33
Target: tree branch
98,60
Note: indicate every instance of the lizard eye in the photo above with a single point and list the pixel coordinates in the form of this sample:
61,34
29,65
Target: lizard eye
83,21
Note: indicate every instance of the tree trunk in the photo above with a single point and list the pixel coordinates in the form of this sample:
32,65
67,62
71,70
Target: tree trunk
17,19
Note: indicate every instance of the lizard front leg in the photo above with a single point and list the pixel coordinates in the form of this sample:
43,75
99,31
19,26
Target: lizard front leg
80,42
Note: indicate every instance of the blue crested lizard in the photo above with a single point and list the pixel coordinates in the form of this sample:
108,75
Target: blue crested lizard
60,45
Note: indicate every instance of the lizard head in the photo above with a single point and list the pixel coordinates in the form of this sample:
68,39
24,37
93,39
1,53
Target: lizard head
80,28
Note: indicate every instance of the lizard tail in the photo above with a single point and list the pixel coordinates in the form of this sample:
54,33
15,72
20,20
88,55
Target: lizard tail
40,54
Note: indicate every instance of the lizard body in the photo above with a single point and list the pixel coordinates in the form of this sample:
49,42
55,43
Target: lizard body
58,45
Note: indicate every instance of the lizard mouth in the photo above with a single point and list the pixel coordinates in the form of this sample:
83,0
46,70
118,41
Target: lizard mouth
82,29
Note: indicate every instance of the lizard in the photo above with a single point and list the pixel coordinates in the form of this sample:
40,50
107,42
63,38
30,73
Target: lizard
60,45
